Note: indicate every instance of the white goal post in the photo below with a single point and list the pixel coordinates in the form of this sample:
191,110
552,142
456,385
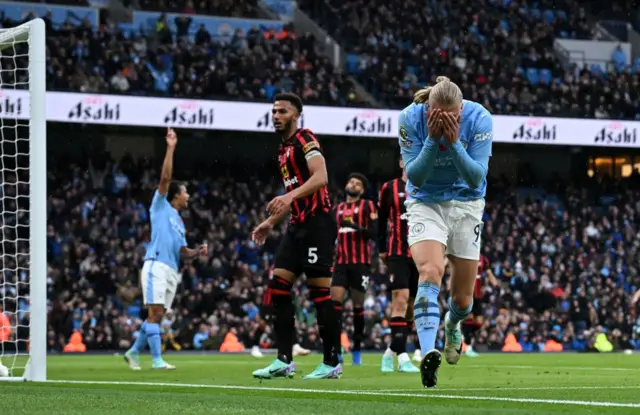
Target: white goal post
23,257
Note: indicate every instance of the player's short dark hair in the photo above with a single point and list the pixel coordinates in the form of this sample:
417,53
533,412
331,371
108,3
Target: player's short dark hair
292,98
175,188
361,177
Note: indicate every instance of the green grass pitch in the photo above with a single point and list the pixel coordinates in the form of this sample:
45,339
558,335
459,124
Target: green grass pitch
222,384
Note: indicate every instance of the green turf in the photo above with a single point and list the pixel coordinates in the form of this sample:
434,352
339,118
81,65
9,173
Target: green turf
489,384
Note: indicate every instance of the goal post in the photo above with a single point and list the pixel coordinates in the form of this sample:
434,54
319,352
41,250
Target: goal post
23,182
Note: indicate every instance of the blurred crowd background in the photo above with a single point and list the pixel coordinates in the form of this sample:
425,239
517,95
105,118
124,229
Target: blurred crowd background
564,255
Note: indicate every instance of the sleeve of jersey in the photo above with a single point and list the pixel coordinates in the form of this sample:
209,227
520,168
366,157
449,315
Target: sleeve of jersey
418,154
473,162
310,144
158,202
372,228
383,218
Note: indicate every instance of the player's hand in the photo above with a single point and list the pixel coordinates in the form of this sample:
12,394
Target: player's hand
383,257
172,137
203,250
451,126
280,204
434,124
260,233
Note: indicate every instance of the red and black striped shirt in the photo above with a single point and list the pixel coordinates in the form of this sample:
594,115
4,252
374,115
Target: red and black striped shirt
393,230
292,157
357,226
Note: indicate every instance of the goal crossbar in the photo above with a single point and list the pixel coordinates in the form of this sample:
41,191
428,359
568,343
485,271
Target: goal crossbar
33,33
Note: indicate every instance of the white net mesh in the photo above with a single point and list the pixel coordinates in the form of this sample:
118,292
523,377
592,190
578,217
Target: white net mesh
14,201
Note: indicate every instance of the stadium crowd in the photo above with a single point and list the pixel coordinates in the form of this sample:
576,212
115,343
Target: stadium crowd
499,52
248,66
564,265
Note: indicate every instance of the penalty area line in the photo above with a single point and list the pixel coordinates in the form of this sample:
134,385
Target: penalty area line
425,394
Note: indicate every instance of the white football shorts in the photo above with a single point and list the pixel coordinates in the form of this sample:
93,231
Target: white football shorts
159,283
457,225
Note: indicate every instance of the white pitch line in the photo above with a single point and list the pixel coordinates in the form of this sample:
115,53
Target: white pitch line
498,389
426,394
552,368
498,366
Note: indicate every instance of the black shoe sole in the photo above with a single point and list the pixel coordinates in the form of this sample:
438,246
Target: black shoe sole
429,369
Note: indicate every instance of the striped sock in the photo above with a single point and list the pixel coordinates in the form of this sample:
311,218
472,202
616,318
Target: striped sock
427,315
456,315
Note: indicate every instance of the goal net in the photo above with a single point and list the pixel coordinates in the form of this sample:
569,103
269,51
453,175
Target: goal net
23,244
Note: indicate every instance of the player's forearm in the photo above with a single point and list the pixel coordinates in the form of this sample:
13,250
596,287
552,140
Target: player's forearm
167,165
188,252
316,182
472,171
420,168
276,219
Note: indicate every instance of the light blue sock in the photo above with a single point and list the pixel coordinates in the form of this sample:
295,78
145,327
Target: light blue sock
141,341
456,315
427,315
155,343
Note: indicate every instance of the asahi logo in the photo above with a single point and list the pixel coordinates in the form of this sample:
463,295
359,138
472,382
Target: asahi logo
536,129
10,107
370,123
95,108
192,114
616,132
264,122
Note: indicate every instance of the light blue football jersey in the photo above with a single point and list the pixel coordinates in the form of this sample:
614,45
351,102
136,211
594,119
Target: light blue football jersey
167,233
443,170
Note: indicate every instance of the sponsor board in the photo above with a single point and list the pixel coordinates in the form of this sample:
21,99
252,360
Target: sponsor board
338,121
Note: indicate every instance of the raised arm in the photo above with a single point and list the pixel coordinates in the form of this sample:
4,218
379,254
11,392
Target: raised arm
167,165
473,163
418,155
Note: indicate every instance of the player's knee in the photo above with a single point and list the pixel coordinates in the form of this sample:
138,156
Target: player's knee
319,295
279,287
431,272
400,302
156,312
337,294
462,302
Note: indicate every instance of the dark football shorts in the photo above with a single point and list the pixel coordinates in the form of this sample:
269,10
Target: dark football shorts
351,276
403,274
309,247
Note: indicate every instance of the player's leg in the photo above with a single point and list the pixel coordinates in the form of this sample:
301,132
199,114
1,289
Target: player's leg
399,286
339,285
154,283
428,234
278,301
413,292
463,254
358,277
319,252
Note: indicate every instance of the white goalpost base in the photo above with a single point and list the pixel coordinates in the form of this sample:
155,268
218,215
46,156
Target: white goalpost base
26,358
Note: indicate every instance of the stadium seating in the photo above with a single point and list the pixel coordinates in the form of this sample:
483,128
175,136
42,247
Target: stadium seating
500,52
230,8
244,59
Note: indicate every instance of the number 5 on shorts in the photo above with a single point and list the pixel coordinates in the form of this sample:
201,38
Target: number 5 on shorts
312,256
